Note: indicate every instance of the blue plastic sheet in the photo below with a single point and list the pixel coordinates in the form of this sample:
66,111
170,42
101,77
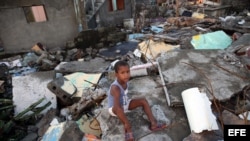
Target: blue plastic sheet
157,29
213,40
135,35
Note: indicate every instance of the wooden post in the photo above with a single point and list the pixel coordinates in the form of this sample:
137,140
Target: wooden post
177,8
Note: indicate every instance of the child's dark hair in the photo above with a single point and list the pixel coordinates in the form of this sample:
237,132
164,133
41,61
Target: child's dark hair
119,64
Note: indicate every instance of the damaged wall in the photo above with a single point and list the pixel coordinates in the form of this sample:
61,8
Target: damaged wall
111,18
237,4
19,36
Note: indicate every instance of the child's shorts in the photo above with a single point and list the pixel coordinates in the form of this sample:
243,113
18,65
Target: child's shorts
125,107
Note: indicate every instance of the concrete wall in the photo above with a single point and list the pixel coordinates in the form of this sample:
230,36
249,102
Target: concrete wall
238,5
111,18
19,36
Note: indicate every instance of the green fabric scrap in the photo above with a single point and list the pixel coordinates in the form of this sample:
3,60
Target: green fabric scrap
213,40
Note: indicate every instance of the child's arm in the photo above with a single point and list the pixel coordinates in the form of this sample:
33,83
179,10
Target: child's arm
118,109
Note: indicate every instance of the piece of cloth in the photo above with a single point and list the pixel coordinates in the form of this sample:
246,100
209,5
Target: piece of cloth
125,107
213,40
111,112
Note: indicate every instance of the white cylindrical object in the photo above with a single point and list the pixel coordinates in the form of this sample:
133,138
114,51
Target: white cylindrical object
138,72
198,110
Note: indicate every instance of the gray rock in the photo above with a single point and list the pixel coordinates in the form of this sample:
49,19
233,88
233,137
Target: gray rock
30,137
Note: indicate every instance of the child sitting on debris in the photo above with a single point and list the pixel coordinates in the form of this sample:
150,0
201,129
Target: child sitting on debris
118,102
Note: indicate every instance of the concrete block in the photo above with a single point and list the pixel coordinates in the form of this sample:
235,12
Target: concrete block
63,89
96,65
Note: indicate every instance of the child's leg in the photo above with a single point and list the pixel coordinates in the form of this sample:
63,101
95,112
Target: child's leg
142,102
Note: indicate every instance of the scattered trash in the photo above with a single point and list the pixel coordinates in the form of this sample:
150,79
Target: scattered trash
54,133
90,137
152,49
38,48
245,115
89,126
156,29
198,15
135,36
83,80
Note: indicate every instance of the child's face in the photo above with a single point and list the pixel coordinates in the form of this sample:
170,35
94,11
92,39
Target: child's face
123,74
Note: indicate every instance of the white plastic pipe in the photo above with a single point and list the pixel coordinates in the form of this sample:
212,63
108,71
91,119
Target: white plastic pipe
198,110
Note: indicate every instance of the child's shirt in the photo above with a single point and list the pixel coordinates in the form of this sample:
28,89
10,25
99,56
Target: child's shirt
123,95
